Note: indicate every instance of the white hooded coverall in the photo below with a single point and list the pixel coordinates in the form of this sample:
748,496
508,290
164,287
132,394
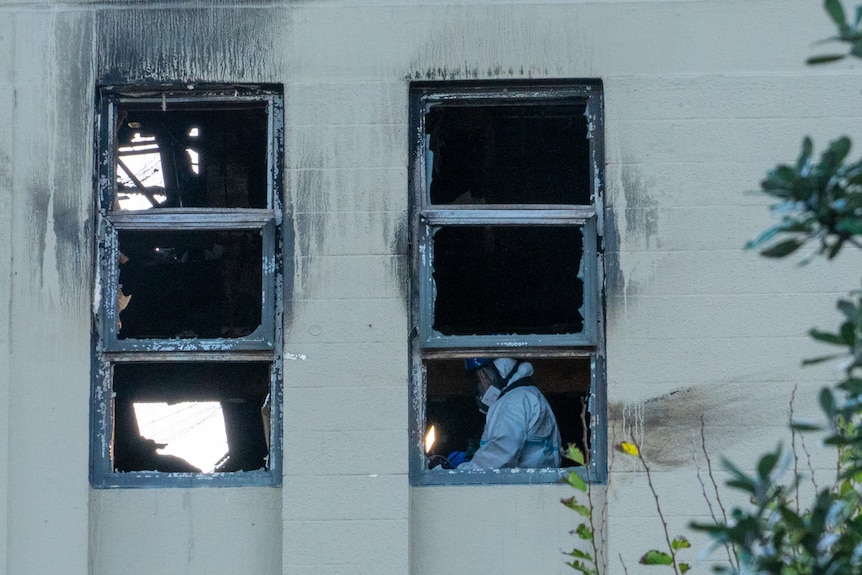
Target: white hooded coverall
520,429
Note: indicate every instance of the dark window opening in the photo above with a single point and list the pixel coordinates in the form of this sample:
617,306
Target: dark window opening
493,280
508,154
191,158
188,337
452,409
506,228
203,284
237,390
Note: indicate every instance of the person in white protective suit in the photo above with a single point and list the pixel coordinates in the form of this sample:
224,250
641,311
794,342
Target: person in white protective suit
520,428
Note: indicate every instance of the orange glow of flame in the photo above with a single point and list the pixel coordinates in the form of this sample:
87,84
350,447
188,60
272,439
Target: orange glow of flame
430,438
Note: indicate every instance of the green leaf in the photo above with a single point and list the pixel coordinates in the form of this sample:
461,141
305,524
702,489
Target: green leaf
804,155
782,249
764,237
582,567
576,481
848,308
826,337
783,176
850,226
825,59
792,520
711,528
848,333
834,248
655,557
799,426
742,484
580,554
837,151
836,12
852,385
766,465
584,532
684,567
572,504
827,401
575,454
680,543
821,359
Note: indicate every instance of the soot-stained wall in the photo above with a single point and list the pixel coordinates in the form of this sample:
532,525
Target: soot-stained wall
700,99
243,44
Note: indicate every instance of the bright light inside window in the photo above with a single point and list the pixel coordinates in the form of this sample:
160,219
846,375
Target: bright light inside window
194,157
193,431
147,168
138,138
194,133
135,201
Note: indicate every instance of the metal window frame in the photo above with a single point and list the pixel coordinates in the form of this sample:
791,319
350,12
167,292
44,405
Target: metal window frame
263,338
429,338
426,219
263,345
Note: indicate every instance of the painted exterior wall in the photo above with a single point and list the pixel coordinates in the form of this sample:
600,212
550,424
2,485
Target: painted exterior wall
701,97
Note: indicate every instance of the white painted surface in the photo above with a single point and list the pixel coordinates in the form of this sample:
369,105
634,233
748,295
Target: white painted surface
701,98
6,177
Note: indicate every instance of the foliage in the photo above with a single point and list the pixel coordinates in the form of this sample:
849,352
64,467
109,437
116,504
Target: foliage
820,201
586,563
819,206
850,34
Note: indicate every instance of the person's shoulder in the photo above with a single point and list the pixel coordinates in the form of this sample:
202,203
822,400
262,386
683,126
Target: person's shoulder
524,392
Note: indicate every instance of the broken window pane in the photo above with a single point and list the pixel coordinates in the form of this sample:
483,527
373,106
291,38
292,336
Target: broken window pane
234,393
493,280
452,409
215,157
508,154
194,284
191,430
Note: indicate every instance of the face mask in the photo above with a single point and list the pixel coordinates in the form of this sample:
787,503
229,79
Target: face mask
488,399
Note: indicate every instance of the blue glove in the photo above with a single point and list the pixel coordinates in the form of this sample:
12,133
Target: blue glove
456,458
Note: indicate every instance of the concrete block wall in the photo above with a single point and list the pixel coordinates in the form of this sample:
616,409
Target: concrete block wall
701,98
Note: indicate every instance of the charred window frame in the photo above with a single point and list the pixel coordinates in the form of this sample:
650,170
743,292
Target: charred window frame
188,298
506,190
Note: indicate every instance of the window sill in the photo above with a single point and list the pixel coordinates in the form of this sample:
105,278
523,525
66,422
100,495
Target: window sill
158,480
508,476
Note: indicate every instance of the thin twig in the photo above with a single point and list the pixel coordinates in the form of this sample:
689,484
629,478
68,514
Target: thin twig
586,429
793,448
709,505
731,551
808,461
658,508
625,569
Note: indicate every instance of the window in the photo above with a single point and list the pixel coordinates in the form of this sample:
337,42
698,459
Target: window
187,335
506,239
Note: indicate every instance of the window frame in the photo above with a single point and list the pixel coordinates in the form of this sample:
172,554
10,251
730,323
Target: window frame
263,345
427,219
